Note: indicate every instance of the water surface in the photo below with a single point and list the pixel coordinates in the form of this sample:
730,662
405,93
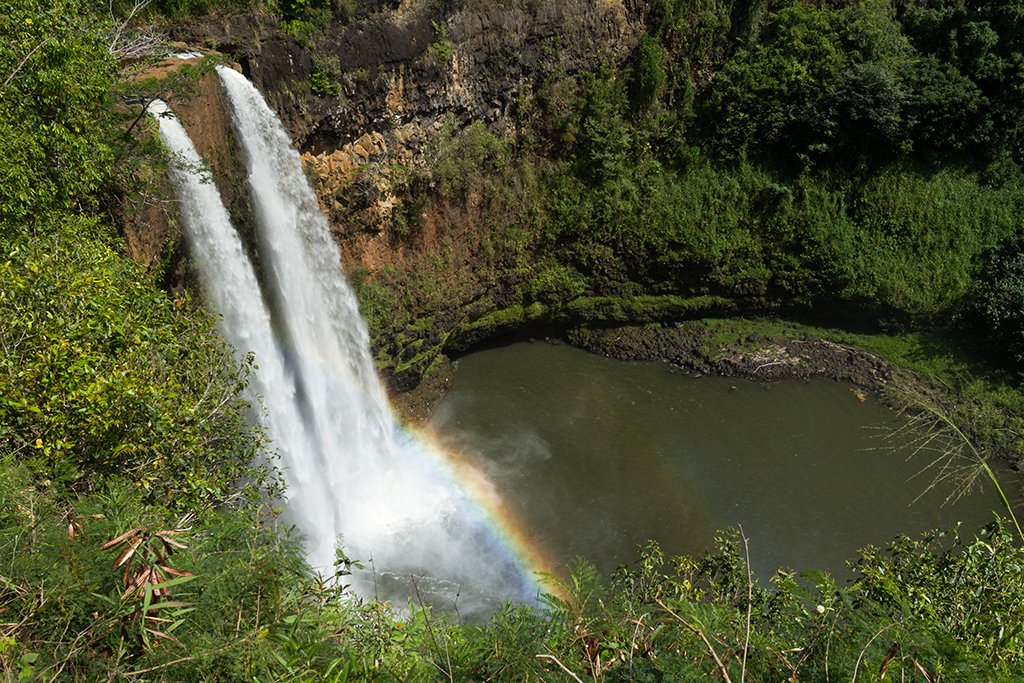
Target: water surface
594,456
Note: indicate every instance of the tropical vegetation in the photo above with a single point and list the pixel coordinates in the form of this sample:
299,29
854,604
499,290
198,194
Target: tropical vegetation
855,154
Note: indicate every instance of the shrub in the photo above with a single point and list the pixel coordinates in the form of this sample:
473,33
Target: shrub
106,377
1001,297
649,81
458,157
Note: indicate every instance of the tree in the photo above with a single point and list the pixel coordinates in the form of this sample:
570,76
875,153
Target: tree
1000,299
774,96
55,108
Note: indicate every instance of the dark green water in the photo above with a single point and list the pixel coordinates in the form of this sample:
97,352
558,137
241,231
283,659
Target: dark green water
595,456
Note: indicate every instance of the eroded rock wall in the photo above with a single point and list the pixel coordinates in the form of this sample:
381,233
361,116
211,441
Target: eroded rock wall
413,61
364,100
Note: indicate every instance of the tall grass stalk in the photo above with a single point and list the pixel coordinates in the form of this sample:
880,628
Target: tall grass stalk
956,460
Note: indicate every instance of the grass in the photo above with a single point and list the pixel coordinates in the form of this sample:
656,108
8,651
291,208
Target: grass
948,356
951,357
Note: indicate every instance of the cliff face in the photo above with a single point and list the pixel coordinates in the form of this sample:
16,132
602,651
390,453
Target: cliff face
403,64
389,77
391,74
366,102
150,227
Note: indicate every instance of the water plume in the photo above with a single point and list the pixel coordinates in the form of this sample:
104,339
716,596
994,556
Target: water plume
393,498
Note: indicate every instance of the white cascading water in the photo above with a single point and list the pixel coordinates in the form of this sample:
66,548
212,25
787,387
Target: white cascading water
350,474
233,291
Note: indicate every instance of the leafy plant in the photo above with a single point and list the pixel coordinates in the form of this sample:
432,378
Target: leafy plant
458,158
969,593
147,580
1000,299
442,47
649,79
324,79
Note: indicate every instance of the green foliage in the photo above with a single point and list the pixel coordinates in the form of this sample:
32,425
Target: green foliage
1000,301
307,21
459,158
917,236
326,72
407,219
953,609
121,423
174,10
67,564
104,377
971,594
870,105
851,84
949,108
973,63
442,47
603,137
776,94
556,283
314,12
504,648
649,79
55,141
304,32
697,31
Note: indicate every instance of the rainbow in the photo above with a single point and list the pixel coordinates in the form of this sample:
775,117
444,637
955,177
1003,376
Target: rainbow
512,539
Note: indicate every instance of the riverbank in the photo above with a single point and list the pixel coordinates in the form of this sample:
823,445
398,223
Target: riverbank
982,408
763,350
735,351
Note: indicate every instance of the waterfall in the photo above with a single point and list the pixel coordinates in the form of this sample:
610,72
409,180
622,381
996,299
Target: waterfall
350,473
227,278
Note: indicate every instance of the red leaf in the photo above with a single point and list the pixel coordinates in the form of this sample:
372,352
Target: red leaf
142,577
923,672
113,542
175,572
172,542
128,551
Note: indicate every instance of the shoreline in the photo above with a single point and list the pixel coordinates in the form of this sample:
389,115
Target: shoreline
750,350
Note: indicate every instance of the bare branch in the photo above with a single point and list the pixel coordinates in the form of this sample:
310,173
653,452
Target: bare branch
564,667
750,605
141,43
27,57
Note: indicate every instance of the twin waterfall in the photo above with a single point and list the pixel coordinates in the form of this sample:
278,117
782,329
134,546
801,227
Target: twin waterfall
351,475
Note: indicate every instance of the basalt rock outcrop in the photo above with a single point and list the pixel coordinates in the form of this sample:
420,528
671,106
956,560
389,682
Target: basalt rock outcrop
363,98
393,64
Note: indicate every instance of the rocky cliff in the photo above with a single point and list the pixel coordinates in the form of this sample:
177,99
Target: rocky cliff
399,67
150,225
424,128
366,100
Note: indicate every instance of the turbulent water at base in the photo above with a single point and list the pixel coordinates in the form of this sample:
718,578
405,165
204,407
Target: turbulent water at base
350,473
